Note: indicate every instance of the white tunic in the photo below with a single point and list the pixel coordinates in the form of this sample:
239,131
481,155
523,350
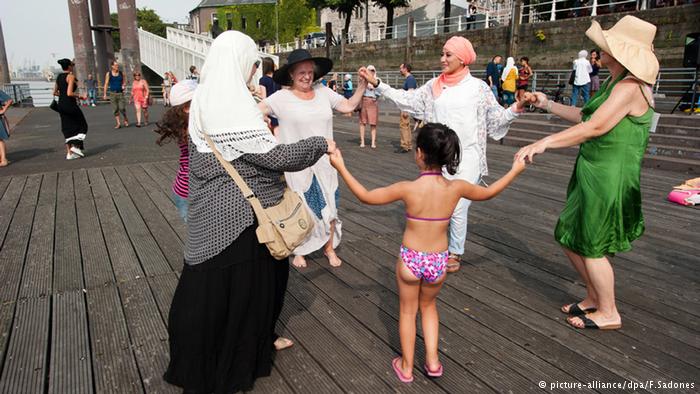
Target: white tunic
469,108
318,184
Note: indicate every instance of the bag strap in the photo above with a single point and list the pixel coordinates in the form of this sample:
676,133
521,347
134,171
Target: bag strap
247,193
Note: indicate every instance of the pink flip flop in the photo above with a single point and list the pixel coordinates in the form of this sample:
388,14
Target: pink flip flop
433,374
398,372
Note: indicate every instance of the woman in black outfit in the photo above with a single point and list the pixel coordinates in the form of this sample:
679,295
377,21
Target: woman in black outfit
229,296
73,123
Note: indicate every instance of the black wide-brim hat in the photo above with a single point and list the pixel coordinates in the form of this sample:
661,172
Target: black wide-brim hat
322,66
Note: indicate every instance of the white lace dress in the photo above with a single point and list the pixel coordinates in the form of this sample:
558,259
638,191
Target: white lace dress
318,184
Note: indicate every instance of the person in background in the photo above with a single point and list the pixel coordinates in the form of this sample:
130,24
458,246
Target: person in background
405,123
524,75
347,90
173,126
369,112
73,124
91,86
333,83
508,78
493,75
115,83
582,71
173,78
166,85
5,102
268,66
194,74
139,97
595,65
470,15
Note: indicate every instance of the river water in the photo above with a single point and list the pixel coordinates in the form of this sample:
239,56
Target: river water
42,92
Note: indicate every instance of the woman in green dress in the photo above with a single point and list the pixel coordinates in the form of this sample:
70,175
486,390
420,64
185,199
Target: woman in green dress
603,211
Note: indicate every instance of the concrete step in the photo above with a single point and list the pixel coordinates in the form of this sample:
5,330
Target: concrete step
654,159
679,141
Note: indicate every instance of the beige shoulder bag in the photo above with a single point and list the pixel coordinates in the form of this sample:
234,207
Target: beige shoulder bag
281,227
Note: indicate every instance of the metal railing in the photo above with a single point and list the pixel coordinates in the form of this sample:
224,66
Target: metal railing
557,9
670,81
162,55
19,92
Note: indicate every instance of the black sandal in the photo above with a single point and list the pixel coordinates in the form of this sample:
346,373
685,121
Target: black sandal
590,324
575,310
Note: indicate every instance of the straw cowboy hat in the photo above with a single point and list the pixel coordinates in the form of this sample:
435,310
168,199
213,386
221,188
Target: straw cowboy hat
630,42
322,66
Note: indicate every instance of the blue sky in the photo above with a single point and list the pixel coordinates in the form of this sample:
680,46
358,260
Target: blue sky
34,29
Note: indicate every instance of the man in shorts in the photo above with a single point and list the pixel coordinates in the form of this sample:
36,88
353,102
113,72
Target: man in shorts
115,83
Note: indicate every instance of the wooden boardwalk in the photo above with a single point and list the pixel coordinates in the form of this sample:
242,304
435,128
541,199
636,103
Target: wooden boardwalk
90,260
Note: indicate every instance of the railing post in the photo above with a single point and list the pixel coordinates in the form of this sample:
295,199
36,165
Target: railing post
643,6
436,26
459,24
486,21
522,9
553,17
594,11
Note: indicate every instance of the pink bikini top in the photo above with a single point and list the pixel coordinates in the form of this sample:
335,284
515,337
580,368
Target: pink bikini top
428,219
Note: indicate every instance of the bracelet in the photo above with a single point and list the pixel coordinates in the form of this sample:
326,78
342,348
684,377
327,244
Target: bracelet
549,106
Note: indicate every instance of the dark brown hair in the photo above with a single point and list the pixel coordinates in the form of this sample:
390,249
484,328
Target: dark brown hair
440,146
173,125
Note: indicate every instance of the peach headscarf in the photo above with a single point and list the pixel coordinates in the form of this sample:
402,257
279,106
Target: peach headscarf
463,49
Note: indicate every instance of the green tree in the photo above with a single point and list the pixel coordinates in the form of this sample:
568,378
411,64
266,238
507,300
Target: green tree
390,5
344,7
296,18
146,18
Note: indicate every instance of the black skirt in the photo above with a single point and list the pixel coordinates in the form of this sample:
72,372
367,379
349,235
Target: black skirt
222,319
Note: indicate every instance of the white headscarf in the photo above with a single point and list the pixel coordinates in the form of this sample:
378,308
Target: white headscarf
582,54
222,106
510,65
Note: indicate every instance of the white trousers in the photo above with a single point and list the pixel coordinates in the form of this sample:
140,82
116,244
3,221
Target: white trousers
468,171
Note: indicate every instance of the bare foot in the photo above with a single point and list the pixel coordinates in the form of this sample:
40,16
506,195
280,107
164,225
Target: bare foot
299,262
4,163
596,320
282,343
585,306
333,258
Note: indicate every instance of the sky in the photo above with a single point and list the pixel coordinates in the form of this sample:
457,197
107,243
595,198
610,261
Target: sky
36,29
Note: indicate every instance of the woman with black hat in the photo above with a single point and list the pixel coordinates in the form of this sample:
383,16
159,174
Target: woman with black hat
73,124
305,110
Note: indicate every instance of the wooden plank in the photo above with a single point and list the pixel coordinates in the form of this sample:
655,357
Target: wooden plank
7,311
38,269
149,253
113,361
372,349
384,324
341,364
24,370
4,183
162,200
71,363
160,179
273,384
302,372
163,288
8,203
68,271
517,356
165,237
13,252
149,337
97,269
125,264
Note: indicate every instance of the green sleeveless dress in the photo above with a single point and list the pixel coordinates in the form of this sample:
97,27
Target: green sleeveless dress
603,212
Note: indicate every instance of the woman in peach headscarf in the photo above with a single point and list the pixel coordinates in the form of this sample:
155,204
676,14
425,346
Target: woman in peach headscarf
466,105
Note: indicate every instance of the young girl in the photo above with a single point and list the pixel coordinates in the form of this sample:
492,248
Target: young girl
174,126
422,263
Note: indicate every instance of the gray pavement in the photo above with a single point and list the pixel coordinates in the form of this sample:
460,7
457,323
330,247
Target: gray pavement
36,144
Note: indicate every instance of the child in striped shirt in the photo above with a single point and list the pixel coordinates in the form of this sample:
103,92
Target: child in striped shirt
174,126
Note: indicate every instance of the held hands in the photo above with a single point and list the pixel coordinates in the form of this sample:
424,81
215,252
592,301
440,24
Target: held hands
331,146
367,76
337,159
527,154
518,165
538,99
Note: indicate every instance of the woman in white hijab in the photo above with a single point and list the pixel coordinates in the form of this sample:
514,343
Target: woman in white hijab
230,293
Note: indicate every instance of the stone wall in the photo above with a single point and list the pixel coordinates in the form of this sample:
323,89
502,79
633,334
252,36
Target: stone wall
564,38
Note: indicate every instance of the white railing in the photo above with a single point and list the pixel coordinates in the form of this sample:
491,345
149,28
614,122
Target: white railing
181,50
556,9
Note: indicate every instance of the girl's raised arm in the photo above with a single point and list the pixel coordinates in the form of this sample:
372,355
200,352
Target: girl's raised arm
379,196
